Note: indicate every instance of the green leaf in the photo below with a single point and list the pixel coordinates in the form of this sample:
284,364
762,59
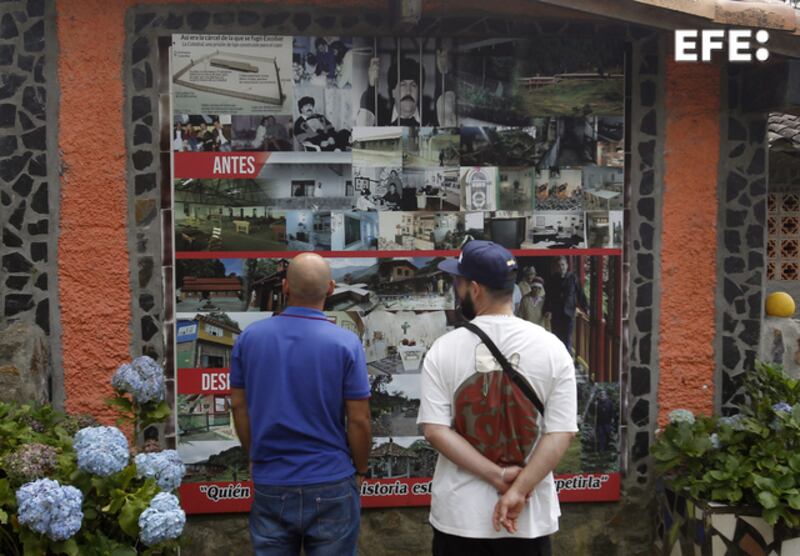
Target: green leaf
129,518
124,551
767,499
3,517
68,547
120,402
794,501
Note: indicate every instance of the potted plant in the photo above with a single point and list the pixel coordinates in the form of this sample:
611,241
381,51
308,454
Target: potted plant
733,482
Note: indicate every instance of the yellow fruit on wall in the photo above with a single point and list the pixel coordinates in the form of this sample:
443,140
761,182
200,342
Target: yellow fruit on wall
780,304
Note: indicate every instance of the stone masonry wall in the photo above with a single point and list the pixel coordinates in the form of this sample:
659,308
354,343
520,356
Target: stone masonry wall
29,190
742,193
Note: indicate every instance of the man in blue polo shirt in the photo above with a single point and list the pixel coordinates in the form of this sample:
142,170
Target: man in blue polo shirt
300,396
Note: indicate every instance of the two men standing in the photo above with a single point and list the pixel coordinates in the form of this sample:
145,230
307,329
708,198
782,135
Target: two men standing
295,377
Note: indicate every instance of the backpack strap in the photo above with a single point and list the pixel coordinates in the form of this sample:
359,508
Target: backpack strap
516,376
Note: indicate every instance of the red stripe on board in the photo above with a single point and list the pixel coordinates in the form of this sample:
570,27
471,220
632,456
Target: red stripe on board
387,254
229,496
203,381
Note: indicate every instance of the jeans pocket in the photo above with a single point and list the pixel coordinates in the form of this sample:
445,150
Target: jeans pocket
334,515
267,509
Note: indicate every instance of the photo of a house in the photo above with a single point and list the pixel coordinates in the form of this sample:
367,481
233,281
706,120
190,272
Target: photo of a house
205,340
399,457
210,285
392,284
378,146
205,417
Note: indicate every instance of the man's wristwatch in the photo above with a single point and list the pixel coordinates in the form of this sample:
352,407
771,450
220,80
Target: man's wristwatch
361,474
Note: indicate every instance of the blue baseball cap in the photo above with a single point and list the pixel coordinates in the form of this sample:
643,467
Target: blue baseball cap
485,262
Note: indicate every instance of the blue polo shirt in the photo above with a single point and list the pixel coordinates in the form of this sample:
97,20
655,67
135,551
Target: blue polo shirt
297,369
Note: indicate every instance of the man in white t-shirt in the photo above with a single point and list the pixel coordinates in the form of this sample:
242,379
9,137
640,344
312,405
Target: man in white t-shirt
478,506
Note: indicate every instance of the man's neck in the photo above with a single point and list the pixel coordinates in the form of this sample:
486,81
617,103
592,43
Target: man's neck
314,306
497,309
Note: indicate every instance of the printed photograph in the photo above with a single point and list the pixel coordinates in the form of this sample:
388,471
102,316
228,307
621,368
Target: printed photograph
262,133
200,132
424,231
205,340
403,82
317,184
321,119
435,189
218,74
511,229
515,188
376,147
603,188
225,215
508,81
604,229
210,285
555,230
204,417
402,284
396,342
504,146
559,189
212,460
478,188
430,147
399,457
307,230
382,189
577,299
331,231
325,62
611,141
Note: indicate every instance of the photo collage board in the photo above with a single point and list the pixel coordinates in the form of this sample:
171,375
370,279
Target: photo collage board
385,155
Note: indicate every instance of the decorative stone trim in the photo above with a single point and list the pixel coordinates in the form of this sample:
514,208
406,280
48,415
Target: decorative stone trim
742,193
29,196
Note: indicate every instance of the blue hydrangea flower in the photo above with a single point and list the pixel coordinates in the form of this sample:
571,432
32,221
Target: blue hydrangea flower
734,421
782,407
50,509
681,416
163,519
715,443
166,467
143,378
101,450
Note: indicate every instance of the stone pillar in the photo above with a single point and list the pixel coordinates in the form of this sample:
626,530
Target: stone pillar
29,195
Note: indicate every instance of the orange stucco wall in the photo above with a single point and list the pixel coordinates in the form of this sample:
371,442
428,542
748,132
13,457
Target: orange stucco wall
689,239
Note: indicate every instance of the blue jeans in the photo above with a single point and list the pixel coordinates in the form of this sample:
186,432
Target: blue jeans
323,518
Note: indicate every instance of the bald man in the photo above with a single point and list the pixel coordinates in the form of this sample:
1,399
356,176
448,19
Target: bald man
300,396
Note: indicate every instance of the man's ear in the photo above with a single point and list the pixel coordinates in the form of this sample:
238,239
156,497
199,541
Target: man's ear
285,287
331,287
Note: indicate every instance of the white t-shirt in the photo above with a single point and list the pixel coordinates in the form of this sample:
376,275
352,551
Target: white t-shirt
462,504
